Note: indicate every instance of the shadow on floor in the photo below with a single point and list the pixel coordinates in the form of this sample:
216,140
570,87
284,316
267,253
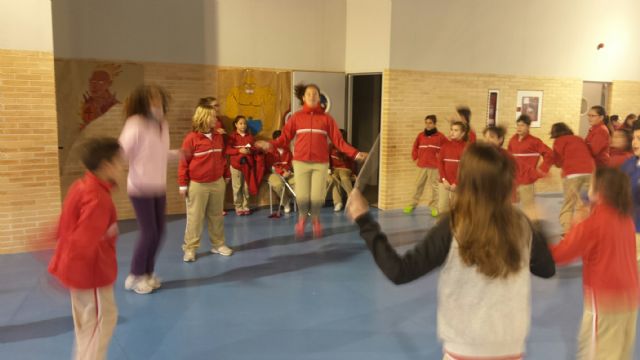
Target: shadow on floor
39,329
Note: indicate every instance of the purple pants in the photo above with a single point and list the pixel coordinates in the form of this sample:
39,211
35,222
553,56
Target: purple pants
150,212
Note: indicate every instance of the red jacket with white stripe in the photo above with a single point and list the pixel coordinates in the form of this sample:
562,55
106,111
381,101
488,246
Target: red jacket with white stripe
312,129
598,142
279,159
85,255
235,142
203,159
606,243
449,160
527,152
571,154
426,149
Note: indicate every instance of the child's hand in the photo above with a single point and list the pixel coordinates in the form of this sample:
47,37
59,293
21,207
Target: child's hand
245,151
361,156
184,192
263,145
112,231
221,131
227,180
357,205
447,185
286,174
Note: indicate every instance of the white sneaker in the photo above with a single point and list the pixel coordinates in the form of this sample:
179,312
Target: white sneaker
223,250
189,256
338,207
130,281
154,281
138,284
287,208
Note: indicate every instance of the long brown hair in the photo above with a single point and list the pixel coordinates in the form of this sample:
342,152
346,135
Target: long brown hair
486,225
614,187
139,101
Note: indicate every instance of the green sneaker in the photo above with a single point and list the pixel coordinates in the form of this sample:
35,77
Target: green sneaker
434,212
409,209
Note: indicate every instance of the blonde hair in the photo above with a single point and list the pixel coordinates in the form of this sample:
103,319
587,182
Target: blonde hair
203,118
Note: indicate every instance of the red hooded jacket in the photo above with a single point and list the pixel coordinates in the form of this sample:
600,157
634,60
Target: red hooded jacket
618,157
527,152
279,159
571,154
203,159
426,149
253,167
598,142
449,160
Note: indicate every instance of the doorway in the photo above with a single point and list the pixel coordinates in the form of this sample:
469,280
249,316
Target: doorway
593,93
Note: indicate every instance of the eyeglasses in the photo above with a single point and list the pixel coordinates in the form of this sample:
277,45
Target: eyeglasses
592,115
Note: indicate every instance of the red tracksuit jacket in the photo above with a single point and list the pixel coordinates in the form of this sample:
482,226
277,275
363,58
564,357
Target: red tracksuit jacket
449,160
426,149
618,157
571,154
312,129
253,167
203,159
606,243
279,159
339,160
527,153
598,142
85,256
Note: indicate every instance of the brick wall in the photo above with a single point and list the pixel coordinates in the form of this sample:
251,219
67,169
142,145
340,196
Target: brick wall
410,95
29,180
625,98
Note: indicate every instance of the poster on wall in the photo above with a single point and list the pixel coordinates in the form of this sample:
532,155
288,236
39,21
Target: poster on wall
88,94
492,108
259,95
530,103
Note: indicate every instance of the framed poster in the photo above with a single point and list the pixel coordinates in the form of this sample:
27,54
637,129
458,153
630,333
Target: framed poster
530,103
492,108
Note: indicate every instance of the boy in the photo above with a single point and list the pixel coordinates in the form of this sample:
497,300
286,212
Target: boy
85,255
527,150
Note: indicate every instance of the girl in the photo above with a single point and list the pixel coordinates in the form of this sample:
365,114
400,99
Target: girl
145,143
465,116
239,148
448,159
598,137
605,241
200,175
494,135
486,247
570,153
628,122
620,150
425,153
312,129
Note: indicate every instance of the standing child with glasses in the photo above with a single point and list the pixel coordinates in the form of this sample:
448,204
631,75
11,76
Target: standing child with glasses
598,138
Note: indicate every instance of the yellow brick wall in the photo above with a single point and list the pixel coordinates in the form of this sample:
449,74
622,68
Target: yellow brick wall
625,98
29,180
410,95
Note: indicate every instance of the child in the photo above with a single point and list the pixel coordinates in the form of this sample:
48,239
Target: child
570,153
527,150
628,122
598,137
620,150
465,116
85,256
200,176
632,168
343,169
448,159
486,248
239,148
605,241
279,161
425,153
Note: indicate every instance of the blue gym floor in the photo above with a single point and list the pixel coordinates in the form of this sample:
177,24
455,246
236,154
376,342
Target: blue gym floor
275,298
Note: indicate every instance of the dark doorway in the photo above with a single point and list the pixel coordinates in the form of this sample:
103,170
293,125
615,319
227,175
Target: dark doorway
363,115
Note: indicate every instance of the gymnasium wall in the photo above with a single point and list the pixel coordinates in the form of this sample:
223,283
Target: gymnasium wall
625,98
29,181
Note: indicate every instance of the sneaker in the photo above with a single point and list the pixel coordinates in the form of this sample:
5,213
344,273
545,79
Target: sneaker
434,212
300,228
154,281
287,208
189,256
239,212
317,229
409,209
224,213
246,211
142,287
338,207
130,281
222,250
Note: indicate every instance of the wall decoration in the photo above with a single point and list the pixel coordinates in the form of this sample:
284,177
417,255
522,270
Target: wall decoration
530,103
492,108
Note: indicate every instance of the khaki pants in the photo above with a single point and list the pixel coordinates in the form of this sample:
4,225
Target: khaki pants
605,336
311,182
95,316
527,197
572,188
444,198
341,178
277,185
204,200
240,190
430,178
